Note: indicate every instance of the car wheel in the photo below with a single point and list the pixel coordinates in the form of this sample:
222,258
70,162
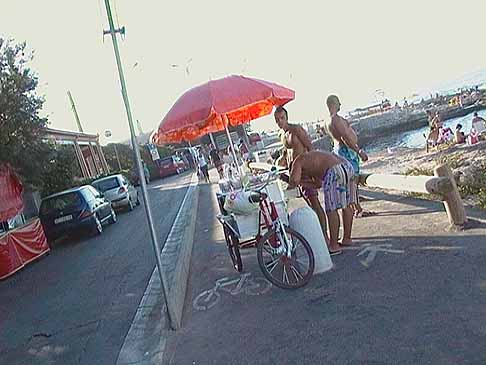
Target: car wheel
130,205
138,200
98,227
112,216
50,239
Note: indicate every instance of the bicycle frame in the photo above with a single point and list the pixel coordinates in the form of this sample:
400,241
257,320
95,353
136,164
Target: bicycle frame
224,282
268,213
272,221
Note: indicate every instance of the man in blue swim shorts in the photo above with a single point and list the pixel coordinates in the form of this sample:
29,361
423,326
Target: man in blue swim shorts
346,146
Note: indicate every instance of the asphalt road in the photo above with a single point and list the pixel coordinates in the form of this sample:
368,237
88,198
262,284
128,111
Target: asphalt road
423,304
76,305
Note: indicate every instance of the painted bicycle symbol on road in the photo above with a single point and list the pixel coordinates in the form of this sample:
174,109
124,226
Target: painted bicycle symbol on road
234,286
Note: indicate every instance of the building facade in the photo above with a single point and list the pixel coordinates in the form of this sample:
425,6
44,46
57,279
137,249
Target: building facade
87,149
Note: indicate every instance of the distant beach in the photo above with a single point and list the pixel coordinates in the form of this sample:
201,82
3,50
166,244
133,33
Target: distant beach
415,139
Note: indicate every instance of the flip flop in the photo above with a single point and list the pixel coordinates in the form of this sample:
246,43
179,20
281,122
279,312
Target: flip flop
365,213
334,253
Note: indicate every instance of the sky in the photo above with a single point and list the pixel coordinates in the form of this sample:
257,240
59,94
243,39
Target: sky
349,48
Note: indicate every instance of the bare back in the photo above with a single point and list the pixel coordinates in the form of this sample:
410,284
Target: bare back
331,127
315,163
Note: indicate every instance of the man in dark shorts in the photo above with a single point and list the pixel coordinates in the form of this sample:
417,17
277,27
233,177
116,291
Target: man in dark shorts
335,175
296,142
217,161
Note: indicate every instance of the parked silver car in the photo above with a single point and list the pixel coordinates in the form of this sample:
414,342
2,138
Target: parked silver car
118,190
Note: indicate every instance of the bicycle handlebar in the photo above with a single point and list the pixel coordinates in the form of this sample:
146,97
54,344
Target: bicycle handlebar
271,174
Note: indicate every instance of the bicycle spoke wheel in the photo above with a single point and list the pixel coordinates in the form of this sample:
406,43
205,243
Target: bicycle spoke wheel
281,270
233,248
206,300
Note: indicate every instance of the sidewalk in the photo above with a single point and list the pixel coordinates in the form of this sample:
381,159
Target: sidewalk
421,302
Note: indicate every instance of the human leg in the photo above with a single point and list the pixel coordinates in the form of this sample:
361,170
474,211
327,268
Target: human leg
317,207
206,173
348,216
332,202
333,219
349,187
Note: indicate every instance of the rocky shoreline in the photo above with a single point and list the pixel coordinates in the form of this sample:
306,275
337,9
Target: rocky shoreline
468,164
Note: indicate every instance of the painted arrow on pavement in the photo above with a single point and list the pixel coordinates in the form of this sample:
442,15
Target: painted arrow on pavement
372,250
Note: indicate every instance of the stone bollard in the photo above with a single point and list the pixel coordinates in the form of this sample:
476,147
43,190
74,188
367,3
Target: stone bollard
452,199
304,220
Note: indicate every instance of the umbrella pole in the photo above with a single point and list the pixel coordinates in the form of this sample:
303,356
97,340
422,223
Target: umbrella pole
231,145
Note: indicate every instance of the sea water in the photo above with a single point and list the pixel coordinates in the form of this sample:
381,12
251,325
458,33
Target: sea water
415,138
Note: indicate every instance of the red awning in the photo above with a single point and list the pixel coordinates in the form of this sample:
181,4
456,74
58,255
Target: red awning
11,189
21,246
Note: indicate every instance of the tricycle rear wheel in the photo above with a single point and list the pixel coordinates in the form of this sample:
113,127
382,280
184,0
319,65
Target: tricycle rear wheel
233,248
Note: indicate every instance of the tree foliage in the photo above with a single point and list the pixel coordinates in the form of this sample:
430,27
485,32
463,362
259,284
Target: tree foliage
125,155
21,126
127,158
59,170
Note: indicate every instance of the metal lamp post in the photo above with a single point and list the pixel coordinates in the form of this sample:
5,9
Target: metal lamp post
112,32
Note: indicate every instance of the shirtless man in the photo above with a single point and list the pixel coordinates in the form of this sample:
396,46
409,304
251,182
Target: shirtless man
346,146
479,123
296,142
335,174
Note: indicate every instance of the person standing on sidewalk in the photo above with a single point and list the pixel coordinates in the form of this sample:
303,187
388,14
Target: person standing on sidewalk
216,161
346,146
296,142
203,166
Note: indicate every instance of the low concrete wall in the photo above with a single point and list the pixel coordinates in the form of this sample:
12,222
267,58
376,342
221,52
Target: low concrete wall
369,128
392,121
177,252
323,144
146,339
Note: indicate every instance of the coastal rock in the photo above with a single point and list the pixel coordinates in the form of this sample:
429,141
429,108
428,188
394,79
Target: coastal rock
469,175
466,175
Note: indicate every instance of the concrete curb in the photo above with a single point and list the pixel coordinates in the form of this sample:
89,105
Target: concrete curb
177,252
147,336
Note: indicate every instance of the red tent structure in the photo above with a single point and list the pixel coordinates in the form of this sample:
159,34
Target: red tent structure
24,244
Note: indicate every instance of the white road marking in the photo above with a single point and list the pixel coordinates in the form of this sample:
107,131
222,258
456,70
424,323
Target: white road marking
437,248
372,250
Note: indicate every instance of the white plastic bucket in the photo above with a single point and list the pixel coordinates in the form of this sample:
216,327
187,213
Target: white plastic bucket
305,221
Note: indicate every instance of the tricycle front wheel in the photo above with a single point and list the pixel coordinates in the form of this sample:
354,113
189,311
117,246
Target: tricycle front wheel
283,271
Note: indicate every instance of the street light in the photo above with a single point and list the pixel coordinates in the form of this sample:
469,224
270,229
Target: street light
141,173
108,135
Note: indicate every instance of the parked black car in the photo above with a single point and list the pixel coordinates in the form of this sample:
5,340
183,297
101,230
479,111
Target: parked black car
81,209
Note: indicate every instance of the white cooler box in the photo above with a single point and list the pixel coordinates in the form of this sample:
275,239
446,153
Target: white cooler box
275,192
248,224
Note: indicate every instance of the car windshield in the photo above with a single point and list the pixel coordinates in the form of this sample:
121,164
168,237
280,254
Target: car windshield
61,202
107,184
167,160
